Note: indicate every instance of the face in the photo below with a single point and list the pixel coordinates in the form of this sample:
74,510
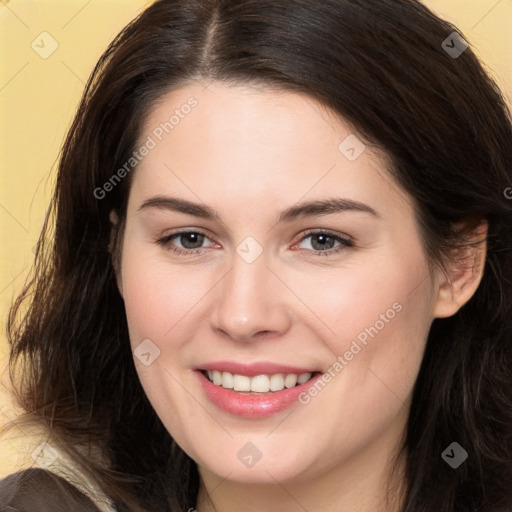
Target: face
312,323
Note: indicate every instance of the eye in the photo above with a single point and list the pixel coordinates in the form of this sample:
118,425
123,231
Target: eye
191,242
323,241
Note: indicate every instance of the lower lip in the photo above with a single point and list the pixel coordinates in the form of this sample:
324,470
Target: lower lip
252,406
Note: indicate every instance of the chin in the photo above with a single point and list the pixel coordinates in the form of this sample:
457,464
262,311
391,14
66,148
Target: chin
251,465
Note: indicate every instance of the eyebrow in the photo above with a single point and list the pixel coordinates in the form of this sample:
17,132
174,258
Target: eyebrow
308,209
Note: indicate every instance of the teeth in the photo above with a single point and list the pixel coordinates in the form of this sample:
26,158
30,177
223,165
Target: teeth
217,378
259,383
277,382
290,380
228,380
241,383
303,378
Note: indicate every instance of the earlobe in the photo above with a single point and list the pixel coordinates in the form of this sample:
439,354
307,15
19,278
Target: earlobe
114,221
463,274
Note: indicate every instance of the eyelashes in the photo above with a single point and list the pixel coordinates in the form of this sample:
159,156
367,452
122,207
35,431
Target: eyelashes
321,236
167,242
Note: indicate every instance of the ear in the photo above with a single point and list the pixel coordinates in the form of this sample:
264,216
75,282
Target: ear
114,222
464,271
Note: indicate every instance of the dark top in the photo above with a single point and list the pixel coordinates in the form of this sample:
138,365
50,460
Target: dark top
39,490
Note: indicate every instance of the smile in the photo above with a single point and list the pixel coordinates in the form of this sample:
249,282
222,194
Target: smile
255,390
259,383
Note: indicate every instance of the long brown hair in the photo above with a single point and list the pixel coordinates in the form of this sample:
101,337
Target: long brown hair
382,66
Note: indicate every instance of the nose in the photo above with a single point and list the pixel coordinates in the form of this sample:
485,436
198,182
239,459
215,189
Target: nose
251,302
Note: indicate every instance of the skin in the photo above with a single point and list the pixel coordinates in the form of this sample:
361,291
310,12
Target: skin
250,153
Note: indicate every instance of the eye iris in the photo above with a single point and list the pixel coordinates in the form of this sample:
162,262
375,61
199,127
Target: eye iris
323,244
196,238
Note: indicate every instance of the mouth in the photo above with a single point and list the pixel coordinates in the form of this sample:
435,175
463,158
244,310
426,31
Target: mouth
258,384
249,392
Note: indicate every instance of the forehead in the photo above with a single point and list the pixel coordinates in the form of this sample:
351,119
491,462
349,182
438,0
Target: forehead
243,114
247,142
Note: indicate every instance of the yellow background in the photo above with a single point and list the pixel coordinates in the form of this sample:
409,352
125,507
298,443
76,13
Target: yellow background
38,97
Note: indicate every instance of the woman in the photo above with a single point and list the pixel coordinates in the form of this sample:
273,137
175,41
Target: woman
280,277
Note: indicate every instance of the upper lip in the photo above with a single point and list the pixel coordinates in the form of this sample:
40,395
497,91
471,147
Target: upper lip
253,369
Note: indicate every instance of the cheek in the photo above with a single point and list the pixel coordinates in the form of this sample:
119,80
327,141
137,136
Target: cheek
159,302
378,323
365,301
376,320
158,296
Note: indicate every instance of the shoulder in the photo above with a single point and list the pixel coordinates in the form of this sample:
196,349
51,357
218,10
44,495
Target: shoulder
39,490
